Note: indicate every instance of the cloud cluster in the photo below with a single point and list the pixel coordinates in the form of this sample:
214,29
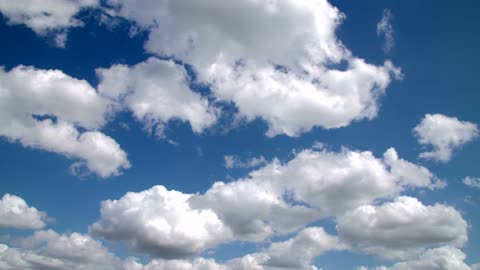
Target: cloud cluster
444,134
274,200
15,213
47,109
48,250
273,60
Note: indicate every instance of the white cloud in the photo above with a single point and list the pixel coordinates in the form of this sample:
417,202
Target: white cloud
444,134
15,213
295,253
48,250
401,228
442,258
299,252
44,108
157,91
160,223
385,30
235,162
275,200
471,182
51,16
274,60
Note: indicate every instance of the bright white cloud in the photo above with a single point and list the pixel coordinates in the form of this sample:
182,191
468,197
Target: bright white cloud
274,60
48,250
442,258
44,108
51,16
385,30
402,227
15,213
471,182
235,162
157,91
274,200
160,223
444,134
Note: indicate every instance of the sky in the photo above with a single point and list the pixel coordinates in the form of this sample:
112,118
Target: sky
239,135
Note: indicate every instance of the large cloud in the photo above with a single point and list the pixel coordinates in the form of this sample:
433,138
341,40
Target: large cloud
273,59
400,228
276,199
444,134
51,15
44,108
156,91
15,213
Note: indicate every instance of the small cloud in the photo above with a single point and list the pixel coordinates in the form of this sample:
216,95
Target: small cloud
199,151
60,39
232,162
385,30
445,134
473,182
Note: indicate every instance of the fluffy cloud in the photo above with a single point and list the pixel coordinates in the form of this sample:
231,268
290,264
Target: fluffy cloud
235,162
401,227
15,213
442,258
274,60
156,91
160,223
44,108
444,134
276,199
385,30
471,182
47,250
51,15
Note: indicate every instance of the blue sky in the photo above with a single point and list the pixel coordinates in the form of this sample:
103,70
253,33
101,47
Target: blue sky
250,135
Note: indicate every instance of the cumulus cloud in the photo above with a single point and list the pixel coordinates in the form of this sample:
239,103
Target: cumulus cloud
160,223
46,250
473,182
232,161
44,109
444,134
442,258
51,16
400,228
157,91
275,200
385,30
15,213
274,60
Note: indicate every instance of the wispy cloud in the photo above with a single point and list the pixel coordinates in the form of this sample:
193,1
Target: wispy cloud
385,30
